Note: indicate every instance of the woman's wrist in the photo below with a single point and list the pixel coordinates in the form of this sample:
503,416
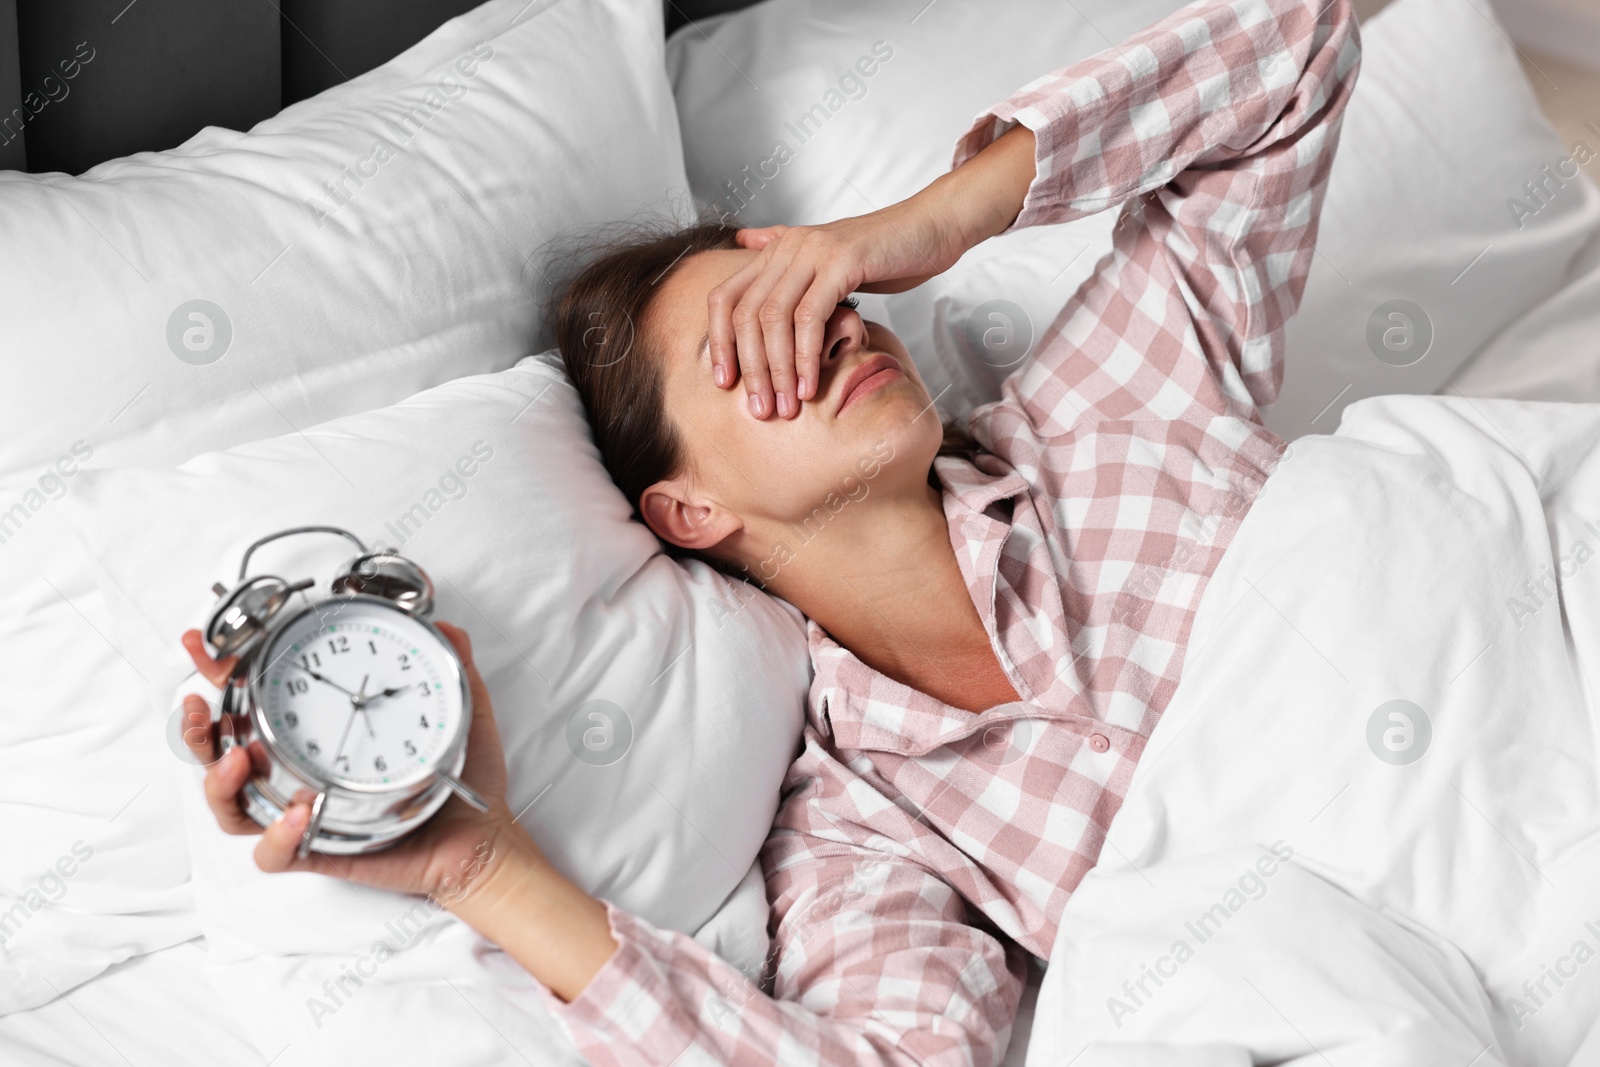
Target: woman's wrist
984,196
508,856
555,930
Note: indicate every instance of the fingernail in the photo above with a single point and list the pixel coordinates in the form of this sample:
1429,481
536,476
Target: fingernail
802,389
756,406
783,404
720,375
297,816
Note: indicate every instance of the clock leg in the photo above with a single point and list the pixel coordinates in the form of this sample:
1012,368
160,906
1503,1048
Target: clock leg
464,791
313,825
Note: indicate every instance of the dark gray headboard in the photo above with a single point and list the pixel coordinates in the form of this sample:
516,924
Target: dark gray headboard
82,81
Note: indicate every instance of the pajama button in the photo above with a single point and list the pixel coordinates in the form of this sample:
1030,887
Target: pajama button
1098,742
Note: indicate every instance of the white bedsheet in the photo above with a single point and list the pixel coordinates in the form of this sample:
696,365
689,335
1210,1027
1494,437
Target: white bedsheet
161,1010
95,868
156,1010
1444,910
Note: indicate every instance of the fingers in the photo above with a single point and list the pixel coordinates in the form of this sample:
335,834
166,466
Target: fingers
214,671
719,326
770,319
279,847
748,338
459,638
225,776
482,711
223,781
463,645
759,237
197,729
811,317
777,317
755,323
758,304
480,691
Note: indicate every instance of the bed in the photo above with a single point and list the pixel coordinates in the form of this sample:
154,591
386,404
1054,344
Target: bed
301,278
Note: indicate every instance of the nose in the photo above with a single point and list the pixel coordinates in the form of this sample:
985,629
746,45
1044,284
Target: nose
846,333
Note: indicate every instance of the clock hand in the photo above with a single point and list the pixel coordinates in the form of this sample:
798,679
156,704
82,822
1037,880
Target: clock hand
360,701
351,721
328,681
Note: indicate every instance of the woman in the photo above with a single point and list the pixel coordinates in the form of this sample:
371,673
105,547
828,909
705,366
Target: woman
996,628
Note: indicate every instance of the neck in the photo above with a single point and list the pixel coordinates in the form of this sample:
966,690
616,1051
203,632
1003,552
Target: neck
882,578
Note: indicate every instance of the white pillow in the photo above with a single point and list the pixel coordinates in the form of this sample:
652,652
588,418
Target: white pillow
568,601
384,236
1441,130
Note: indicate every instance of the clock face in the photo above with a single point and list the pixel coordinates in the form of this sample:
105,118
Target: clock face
362,694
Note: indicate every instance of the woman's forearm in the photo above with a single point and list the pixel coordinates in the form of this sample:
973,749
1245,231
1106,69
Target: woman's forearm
984,195
556,931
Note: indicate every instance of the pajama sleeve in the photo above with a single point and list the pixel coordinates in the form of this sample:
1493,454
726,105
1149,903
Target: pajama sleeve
1214,132
875,963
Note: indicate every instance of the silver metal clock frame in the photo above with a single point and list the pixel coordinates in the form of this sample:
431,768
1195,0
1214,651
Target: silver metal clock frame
346,818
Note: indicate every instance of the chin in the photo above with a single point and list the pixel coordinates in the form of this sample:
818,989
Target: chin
903,421
905,430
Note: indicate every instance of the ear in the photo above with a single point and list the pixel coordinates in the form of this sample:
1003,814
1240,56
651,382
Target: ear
686,519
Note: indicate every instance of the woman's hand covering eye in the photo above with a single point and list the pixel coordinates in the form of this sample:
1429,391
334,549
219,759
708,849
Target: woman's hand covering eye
767,322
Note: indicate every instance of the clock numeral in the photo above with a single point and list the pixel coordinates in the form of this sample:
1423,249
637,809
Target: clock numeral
411,750
310,661
337,645
292,719
422,687
343,763
405,662
313,749
380,764
423,719
296,685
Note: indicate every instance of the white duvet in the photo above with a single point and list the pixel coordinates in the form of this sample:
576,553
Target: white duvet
1367,830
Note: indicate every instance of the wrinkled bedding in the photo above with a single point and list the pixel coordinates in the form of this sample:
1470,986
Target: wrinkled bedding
1367,830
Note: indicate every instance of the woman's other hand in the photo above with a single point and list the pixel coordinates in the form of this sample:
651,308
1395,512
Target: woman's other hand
442,859
766,323
482,867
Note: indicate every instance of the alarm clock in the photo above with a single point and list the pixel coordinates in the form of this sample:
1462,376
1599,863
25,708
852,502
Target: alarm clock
355,696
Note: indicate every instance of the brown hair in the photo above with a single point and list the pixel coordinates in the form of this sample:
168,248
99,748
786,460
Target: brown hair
617,373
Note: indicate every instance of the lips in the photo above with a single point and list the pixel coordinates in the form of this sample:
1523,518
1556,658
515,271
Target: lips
867,373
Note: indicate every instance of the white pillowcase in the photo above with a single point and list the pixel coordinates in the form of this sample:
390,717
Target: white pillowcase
567,601
1441,131
384,236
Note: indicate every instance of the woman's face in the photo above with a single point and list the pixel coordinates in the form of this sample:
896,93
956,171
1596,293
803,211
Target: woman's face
838,451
